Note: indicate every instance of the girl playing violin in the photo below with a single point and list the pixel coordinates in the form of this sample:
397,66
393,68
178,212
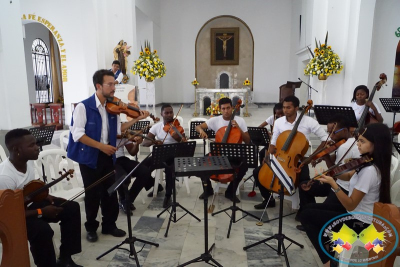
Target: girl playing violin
163,137
278,112
368,184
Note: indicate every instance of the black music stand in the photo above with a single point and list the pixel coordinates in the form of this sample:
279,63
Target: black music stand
245,153
140,125
163,157
193,134
280,237
391,105
131,239
43,136
324,113
203,167
259,137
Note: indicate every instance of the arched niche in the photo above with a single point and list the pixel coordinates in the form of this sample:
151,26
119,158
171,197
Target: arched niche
396,76
208,74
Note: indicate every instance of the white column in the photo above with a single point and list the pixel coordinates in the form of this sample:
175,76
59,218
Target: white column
14,100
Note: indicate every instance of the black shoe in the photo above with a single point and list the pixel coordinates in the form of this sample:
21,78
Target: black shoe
166,202
231,198
297,218
262,205
123,208
91,236
132,207
301,228
209,193
115,232
159,189
67,262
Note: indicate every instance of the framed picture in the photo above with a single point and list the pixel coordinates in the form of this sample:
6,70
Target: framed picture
224,46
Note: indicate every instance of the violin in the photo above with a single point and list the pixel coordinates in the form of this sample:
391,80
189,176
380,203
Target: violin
115,106
335,170
174,127
130,135
36,190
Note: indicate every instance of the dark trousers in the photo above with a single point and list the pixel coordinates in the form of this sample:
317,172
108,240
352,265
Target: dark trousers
98,196
261,155
303,176
123,166
240,173
313,224
40,234
169,178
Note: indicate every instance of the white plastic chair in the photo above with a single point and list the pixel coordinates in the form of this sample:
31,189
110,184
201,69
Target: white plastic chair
54,161
64,139
3,155
394,164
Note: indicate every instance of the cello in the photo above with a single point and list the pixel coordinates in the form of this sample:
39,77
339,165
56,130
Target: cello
228,134
367,117
291,146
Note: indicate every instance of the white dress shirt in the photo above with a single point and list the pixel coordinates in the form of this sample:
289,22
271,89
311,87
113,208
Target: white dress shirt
353,154
307,125
79,116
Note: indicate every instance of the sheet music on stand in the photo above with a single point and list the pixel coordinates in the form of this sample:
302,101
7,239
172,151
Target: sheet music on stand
324,113
391,105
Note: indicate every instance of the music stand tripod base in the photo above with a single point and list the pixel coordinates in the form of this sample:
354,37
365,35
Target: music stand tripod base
163,154
130,239
203,167
280,236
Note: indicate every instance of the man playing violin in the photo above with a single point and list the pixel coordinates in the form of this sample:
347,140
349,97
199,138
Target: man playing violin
163,133
215,123
92,143
307,126
16,172
338,128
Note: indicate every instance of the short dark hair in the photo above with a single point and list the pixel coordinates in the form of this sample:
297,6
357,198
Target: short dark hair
98,76
225,100
116,62
13,136
340,120
293,99
164,106
360,87
277,107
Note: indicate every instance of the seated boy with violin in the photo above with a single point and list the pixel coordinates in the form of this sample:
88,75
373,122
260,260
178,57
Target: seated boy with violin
339,132
167,131
124,165
15,173
239,129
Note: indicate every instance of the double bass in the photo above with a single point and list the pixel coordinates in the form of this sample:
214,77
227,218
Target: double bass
367,117
291,146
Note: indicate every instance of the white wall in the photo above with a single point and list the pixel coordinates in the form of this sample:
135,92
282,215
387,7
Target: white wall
271,27
14,103
383,52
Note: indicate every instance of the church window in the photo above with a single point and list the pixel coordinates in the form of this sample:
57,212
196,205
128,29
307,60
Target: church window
42,72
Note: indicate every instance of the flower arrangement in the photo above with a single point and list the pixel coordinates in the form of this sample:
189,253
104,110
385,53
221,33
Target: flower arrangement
325,61
149,65
213,109
246,82
195,82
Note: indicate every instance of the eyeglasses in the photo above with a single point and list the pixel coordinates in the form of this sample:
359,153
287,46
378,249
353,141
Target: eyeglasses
109,84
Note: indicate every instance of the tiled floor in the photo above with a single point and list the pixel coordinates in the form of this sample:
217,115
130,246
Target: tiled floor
185,239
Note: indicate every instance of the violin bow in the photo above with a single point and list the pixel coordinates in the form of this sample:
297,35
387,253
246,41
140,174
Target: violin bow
139,133
176,116
89,187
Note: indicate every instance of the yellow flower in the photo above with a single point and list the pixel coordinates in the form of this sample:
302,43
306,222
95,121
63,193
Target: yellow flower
322,52
146,49
322,45
316,50
155,51
141,53
314,72
151,69
329,47
317,54
147,52
338,72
